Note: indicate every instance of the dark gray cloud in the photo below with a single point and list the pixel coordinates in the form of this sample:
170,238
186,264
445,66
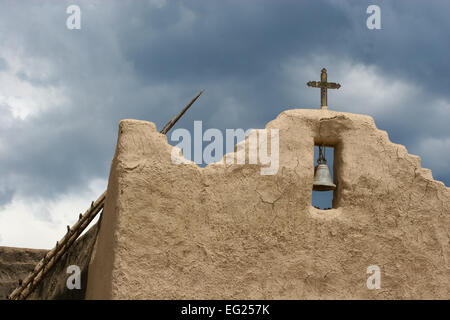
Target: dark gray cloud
3,64
143,60
236,40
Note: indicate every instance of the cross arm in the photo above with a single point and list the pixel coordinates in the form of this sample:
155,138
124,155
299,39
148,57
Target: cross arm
320,84
332,85
315,84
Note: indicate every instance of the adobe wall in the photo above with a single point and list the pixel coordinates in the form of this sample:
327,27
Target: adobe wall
227,232
15,264
54,284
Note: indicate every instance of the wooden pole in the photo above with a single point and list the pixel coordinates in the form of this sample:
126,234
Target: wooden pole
172,122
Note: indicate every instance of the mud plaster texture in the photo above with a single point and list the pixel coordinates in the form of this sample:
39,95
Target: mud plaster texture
227,232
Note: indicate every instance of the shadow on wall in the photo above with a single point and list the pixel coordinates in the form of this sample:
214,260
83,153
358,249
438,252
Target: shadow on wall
53,286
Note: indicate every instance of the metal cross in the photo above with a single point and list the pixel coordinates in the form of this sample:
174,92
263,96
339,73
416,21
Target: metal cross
324,86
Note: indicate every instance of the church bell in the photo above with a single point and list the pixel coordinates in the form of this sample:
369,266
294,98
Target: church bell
322,177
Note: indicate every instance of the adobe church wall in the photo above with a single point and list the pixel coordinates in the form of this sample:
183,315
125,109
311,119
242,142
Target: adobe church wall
227,232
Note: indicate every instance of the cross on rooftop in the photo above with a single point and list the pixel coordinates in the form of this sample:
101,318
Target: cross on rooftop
324,86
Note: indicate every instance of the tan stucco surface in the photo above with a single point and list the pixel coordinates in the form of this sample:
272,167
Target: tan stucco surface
226,231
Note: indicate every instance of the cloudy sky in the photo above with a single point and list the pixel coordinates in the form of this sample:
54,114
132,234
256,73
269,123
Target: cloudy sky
63,92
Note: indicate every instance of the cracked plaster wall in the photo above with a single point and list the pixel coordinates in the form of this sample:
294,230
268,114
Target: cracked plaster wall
227,232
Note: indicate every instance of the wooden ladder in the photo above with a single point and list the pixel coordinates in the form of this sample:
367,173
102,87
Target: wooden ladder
27,286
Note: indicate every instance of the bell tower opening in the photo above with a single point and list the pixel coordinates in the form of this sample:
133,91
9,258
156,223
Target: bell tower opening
324,183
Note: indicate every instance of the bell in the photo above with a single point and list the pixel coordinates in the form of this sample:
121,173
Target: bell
322,177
